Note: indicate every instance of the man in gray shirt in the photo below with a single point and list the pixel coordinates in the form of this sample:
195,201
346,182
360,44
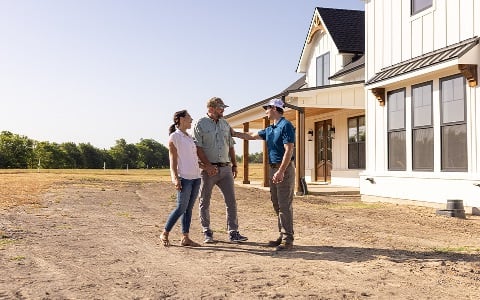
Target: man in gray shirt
215,150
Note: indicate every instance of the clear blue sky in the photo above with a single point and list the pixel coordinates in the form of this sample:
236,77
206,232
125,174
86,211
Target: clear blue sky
100,70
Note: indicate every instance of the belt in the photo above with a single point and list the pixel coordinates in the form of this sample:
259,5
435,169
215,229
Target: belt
220,164
277,165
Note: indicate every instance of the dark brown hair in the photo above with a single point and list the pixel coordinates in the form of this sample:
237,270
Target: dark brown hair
176,120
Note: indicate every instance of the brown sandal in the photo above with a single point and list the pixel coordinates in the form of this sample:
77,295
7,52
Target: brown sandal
164,238
186,241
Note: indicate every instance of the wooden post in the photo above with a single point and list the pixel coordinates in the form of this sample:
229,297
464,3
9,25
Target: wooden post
245,156
299,151
266,168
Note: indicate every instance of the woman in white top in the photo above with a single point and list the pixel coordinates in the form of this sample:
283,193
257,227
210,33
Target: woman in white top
185,174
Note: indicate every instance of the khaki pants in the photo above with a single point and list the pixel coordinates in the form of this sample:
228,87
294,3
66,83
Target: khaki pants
224,180
281,195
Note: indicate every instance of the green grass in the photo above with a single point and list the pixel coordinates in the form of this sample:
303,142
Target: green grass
464,249
4,241
18,257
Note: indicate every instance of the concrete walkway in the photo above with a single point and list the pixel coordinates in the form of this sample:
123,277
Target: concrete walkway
313,188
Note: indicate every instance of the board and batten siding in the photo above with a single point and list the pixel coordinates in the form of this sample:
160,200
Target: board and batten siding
323,44
393,35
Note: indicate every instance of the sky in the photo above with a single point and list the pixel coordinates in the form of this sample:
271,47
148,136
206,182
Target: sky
95,71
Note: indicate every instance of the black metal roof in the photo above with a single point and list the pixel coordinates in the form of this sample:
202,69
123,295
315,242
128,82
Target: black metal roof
426,60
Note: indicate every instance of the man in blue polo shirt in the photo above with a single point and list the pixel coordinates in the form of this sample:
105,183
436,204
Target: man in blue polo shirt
280,138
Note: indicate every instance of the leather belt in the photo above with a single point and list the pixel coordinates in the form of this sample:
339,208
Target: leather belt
277,165
220,164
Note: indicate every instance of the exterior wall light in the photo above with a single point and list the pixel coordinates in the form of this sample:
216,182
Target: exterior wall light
310,135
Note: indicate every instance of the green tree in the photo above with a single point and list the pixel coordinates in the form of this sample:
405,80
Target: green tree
74,158
15,150
256,157
51,155
125,155
92,157
152,154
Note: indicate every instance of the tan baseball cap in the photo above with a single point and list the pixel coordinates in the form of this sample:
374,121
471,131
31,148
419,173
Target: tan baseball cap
216,102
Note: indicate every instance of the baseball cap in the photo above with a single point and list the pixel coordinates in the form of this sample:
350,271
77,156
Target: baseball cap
274,102
216,102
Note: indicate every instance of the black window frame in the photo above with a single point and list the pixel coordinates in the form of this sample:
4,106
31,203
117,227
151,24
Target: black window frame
356,145
444,125
397,131
422,127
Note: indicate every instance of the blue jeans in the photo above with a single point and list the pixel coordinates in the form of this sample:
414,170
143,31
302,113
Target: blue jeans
185,201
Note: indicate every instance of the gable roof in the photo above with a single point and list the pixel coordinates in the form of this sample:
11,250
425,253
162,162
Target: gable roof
346,28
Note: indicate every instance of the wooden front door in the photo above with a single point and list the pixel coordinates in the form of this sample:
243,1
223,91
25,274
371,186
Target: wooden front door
323,150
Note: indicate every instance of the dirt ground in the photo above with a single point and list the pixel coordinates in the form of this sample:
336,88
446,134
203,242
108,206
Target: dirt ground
90,238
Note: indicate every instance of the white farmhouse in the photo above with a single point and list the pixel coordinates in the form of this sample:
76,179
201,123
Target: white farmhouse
421,87
327,104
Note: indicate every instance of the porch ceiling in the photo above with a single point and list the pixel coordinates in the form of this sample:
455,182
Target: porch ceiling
289,114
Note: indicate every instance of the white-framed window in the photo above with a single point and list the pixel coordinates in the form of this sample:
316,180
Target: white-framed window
453,124
396,130
323,69
420,5
422,127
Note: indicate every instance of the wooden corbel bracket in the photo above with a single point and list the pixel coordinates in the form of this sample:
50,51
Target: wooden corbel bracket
379,93
316,26
470,73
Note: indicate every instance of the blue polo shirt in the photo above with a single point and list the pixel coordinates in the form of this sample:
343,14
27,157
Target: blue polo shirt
276,136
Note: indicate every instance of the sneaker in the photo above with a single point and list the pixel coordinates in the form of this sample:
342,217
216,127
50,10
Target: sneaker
275,243
208,236
284,247
236,237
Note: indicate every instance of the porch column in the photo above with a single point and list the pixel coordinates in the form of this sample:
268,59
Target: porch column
245,156
266,182
299,151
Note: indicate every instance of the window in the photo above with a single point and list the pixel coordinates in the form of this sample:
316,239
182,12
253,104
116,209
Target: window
356,142
323,69
453,126
396,130
422,123
420,5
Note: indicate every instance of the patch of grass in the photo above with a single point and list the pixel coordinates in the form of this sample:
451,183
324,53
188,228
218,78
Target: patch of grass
4,241
464,249
18,258
125,215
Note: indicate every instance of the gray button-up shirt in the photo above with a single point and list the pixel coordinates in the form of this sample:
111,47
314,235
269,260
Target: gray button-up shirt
214,138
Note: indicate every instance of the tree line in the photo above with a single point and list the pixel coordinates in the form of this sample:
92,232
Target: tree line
21,152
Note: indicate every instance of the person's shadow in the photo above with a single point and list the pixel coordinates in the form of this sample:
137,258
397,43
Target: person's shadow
340,254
